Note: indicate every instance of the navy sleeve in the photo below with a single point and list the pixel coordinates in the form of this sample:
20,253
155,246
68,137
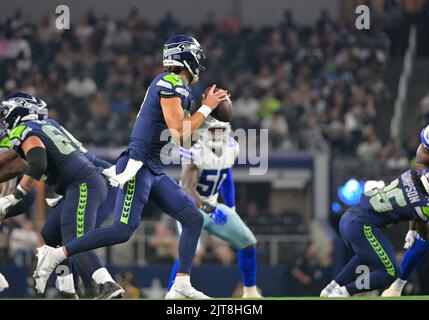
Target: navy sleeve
227,190
97,161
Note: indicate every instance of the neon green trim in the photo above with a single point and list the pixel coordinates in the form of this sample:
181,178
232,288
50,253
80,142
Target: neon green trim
126,210
174,79
425,211
81,206
5,143
17,132
376,246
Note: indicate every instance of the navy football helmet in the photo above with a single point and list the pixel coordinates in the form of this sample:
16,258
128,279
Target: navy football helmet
186,52
19,107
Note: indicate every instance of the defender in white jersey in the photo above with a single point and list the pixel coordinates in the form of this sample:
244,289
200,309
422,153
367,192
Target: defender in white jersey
206,172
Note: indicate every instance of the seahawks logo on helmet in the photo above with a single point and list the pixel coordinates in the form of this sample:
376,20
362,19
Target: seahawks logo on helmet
19,107
185,52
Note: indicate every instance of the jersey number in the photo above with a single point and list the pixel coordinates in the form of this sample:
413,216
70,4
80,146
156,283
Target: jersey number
63,143
381,199
210,181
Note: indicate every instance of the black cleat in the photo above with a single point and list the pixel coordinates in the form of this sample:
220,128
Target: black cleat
110,290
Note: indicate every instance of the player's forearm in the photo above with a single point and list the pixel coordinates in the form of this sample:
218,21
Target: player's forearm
195,195
189,125
27,183
422,158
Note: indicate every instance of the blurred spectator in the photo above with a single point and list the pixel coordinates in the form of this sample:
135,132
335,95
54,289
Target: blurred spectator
81,86
164,242
246,110
22,242
370,148
308,272
278,129
126,281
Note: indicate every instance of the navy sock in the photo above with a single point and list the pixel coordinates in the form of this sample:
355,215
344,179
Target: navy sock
173,274
103,237
87,263
192,222
413,257
247,264
348,273
378,279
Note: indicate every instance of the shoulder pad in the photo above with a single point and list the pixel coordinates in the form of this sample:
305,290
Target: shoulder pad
19,132
173,79
5,143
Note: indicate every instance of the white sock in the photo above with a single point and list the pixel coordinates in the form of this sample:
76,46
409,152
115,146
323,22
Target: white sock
182,281
101,276
66,283
58,255
399,284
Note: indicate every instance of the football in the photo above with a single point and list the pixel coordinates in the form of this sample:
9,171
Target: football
223,112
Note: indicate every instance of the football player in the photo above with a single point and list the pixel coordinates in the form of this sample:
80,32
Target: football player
405,199
139,169
51,154
416,242
206,172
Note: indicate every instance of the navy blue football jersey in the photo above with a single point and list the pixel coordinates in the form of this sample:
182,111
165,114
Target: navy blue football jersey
65,164
402,200
146,142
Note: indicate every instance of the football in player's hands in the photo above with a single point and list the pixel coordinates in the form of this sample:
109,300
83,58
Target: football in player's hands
223,111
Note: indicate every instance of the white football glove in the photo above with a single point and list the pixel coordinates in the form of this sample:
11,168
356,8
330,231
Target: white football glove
133,166
52,202
109,172
410,239
3,283
5,203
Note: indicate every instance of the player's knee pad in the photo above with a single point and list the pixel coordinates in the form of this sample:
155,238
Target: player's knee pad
121,232
190,216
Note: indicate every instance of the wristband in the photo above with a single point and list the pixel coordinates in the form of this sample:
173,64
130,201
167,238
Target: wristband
19,192
205,110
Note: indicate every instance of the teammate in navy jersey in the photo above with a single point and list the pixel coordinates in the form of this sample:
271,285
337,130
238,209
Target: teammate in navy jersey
405,199
140,170
416,243
51,231
51,156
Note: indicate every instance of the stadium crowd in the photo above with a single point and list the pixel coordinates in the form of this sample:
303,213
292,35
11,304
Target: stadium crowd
315,87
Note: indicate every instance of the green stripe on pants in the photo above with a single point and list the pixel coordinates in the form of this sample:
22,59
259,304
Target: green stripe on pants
80,217
379,250
126,209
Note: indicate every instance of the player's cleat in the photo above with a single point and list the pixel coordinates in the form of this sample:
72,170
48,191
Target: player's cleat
251,293
187,292
110,290
3,283
339,292
328,289
47,261
395,289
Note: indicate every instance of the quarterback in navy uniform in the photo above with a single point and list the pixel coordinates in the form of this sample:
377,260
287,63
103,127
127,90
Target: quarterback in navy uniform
139,170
